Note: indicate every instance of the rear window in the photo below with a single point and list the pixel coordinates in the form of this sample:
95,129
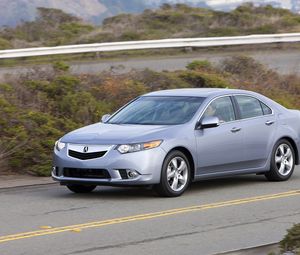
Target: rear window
249,107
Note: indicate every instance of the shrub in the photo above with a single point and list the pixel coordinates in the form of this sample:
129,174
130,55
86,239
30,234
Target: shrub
199,64
159,80
204,80
4,44
244,66
291,241
130,36
60,66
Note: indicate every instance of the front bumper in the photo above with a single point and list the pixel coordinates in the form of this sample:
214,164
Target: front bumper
147,163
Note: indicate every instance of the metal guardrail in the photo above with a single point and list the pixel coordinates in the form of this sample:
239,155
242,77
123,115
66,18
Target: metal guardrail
152,44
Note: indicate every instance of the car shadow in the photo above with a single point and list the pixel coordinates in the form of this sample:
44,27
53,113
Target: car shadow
229,182
116,193
121,193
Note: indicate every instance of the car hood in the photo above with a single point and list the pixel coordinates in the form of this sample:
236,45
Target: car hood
100,133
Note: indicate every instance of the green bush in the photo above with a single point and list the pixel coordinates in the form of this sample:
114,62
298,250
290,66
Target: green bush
61,66
199,64
204,80
130,36
244,66
74,29
4,44
223,31
289,21
263,29
291,241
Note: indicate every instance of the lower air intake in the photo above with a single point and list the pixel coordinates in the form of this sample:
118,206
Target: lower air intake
86,173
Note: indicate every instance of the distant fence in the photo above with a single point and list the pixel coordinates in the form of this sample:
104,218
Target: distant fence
152,44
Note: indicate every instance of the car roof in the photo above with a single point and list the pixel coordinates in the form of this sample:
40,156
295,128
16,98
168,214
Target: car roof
197,92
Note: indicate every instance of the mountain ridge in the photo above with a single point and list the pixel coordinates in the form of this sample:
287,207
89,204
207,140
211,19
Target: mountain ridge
15,12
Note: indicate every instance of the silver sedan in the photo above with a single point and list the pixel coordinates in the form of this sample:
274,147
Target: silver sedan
167,139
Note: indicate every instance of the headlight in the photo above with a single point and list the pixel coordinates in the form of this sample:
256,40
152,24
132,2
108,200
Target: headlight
59,145
127,148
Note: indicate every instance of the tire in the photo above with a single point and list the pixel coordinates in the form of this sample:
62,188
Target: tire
282,161
77,188
175,175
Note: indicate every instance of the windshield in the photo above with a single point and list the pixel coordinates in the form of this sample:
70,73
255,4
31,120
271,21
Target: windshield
163,110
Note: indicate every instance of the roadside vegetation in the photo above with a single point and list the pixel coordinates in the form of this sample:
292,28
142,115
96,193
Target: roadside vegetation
291,241
290,244
54,27
38,108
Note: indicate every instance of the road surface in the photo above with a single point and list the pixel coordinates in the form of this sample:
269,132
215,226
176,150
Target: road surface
211,217
283,61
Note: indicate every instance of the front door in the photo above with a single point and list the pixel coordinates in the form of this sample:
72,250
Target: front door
220,149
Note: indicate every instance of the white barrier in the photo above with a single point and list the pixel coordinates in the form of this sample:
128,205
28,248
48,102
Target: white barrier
152,44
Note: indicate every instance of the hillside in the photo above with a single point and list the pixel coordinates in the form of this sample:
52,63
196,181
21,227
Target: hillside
55,27
173,21
12,13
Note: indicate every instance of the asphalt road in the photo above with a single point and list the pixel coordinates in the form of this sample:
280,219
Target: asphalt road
211,217
284,61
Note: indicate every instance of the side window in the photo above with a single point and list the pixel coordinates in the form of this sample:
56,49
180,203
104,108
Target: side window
221,108
249,107
266,109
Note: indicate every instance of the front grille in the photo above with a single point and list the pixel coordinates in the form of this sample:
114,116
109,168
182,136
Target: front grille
85,156
86,173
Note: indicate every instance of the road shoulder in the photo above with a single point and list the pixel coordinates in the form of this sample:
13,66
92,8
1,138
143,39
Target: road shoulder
260,250
12,181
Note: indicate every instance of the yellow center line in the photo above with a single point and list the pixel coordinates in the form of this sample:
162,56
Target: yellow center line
140,217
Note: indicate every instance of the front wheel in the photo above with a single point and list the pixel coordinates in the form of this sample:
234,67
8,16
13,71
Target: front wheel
77,188
282,162
175,175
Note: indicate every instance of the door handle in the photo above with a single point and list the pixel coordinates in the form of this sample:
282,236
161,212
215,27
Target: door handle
269,122
235,129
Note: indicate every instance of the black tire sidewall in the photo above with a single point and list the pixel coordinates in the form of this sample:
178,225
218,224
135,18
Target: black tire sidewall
78,188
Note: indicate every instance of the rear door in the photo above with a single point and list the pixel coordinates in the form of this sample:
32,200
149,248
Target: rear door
258,124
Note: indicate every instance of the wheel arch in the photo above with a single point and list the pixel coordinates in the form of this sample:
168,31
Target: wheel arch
293,143
189,156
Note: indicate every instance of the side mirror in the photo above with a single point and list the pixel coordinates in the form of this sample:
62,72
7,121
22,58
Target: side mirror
105,118
208,122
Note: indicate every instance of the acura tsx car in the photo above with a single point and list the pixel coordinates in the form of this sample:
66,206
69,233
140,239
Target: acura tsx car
170,138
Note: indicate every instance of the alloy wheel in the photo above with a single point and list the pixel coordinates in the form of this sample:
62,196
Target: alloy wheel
284,159
177,174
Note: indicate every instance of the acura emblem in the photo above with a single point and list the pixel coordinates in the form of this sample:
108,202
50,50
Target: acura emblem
85,149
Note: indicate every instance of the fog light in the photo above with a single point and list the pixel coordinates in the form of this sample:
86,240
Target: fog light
132,174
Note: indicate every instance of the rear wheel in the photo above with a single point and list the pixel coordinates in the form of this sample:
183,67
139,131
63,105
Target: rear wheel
77,188
282,162
175,175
